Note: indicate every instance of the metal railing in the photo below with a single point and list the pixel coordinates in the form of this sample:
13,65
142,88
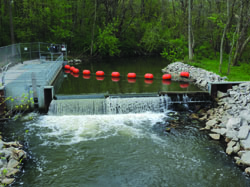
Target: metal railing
18,53
42,76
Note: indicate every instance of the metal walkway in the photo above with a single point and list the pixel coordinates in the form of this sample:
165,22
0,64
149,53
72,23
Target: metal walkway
30,78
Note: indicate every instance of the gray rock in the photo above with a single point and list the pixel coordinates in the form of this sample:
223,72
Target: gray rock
245,114
1,144
221,94
233,93
12,172
12,163
231,134
233,123
229,150
243,132
211,123
231,144
221,131
246,143
8,181
215,136
236,148
247,170
203,84
245,158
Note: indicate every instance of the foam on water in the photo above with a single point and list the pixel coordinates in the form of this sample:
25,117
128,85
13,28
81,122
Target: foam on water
64,130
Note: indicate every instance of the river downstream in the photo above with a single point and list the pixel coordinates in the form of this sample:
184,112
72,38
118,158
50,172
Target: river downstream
122,150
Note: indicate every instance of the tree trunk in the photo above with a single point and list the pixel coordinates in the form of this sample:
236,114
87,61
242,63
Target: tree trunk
11,23
142,7
173,5
93,31
230,54
223,36
239,51
190,50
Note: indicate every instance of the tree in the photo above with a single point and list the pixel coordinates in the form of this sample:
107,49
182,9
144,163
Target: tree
190,49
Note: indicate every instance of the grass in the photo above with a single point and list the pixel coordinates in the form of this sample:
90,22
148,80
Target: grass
237,73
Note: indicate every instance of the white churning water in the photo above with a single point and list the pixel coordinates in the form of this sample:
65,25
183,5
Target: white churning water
68,129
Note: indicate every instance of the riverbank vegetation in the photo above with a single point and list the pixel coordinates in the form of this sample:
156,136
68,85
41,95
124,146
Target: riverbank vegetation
237,73
177,29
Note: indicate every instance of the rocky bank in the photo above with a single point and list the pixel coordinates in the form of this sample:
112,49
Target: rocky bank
230,120
11,157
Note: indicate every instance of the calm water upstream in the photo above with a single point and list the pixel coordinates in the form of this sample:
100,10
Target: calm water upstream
126,146
140,66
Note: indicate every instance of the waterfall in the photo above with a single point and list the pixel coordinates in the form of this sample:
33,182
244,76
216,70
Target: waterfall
109,105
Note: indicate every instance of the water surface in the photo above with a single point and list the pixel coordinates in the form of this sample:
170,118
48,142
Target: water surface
122,150
79,84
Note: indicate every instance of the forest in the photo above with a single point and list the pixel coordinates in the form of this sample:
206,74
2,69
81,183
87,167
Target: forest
176,29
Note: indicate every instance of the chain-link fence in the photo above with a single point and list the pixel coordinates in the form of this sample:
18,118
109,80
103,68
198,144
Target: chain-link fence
10,54
18,53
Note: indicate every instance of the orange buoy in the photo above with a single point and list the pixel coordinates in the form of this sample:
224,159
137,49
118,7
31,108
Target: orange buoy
131,80
100,78
115,79
72,68
86,76
115,74
86,72
99,73
66,71
184,74
166,82
67,66
184,85
166,76
131,75
76,71
148,76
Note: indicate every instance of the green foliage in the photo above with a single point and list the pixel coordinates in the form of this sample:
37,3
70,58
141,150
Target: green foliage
151,38
204,51
107,42
237,73
175,50
16,106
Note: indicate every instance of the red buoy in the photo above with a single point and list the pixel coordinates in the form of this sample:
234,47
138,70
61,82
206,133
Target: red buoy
148,76
184,74
67,66
115,74
86,76
99,73
166,76
115,79
66,71
72,68
76,71
86,72
166,82
184,85
131,75
100,78
149,81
